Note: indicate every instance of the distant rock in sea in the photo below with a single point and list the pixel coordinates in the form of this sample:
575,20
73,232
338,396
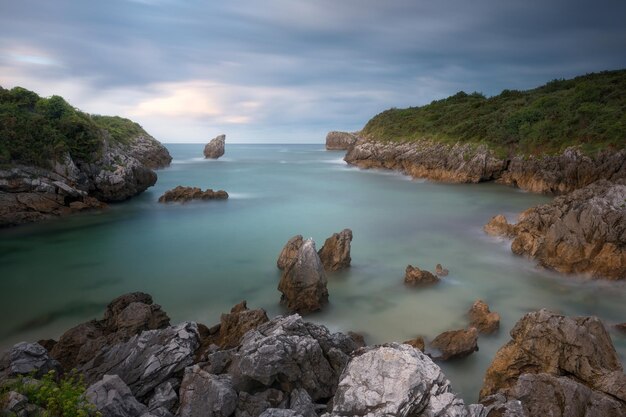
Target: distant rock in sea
215,148
415,277
182,194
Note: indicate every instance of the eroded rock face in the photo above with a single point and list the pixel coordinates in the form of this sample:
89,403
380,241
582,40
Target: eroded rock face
113,398
340,140
205,395
150,152
182,194
482,318
414,276
215,148
547,343
335,253
289,253
303,283
25,359
237,323
456,344
395,380
581,232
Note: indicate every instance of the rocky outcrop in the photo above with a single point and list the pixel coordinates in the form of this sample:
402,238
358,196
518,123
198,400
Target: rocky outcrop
206,395
340,140
303,282
27,359
482,318
455,344
182,194
499,226
335,253
581,232
289,253
215,148
458,163
234,325
150,152
414,276
578,349
113,398
417,342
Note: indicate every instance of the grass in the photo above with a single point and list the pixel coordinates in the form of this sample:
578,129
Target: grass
588,111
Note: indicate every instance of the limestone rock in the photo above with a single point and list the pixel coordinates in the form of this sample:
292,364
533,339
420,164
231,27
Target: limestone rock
303,283
340,140
335,254
482,318
394,380
545,342
414,276
456,344
499,226
206,395
215,148
441,271
113,398
150,152
182,194
26,358
289,253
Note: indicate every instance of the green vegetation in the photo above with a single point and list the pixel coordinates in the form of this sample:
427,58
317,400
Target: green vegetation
36,130
589,111
65,398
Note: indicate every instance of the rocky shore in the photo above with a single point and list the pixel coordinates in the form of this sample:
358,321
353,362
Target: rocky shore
135,364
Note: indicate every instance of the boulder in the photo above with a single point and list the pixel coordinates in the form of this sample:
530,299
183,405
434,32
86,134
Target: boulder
206,395
418,343
289,253
112,398
237,323
303,283
340,140
482,318
547,343
414,276
395,380
164,396
252,405
182,194
215,148
441,271
25,359
335,253
456,344
358,338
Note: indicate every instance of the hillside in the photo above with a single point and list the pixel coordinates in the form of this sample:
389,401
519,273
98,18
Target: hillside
589,111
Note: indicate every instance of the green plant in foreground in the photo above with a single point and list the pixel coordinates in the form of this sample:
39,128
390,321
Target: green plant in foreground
59,398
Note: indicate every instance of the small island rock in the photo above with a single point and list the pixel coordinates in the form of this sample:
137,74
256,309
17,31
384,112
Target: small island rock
335,253
185,194
456,344
482,318
415,276
215,148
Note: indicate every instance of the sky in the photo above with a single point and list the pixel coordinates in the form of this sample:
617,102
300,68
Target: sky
279,71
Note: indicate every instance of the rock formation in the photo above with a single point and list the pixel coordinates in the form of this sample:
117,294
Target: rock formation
414,276
340,140
456,344
418,343
182,194
26,359
289,253
482,318
581,232
335,253
303,281
215,148
441,271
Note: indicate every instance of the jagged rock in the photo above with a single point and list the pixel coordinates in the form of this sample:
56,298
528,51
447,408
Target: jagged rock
252,405
498,226
124,317
26,358
581,232
240,320
113,398
456,344
545,342
182,194
340,140
395,380
415,276
303,283
335,254
150,152
215,148
146,360
482,318
418,343
206,395
164,397
288,353
548,395
300,402
441,271
289,253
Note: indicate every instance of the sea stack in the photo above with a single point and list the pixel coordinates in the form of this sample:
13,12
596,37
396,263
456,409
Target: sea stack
215,148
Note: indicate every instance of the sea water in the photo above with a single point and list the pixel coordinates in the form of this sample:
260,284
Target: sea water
199,259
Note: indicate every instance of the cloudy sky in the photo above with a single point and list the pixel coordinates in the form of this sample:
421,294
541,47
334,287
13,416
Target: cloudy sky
289,71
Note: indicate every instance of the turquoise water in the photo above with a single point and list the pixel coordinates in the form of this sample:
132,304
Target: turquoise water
199,259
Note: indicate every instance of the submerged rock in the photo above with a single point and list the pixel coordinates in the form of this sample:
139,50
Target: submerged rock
182,194
414,276
340,140
303,283
289,253
482,318
456,344
335,253
215,148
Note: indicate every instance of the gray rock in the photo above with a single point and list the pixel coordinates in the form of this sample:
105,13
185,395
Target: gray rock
164,397
13,403
300,402
396,380
252,405
26,358
113,398
148,359
206,395
303,283
280,412
215,148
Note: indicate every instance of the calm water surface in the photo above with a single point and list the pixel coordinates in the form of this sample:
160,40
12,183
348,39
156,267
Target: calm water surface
199,259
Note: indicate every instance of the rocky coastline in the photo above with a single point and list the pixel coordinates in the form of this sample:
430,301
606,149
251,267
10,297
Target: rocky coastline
135,363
